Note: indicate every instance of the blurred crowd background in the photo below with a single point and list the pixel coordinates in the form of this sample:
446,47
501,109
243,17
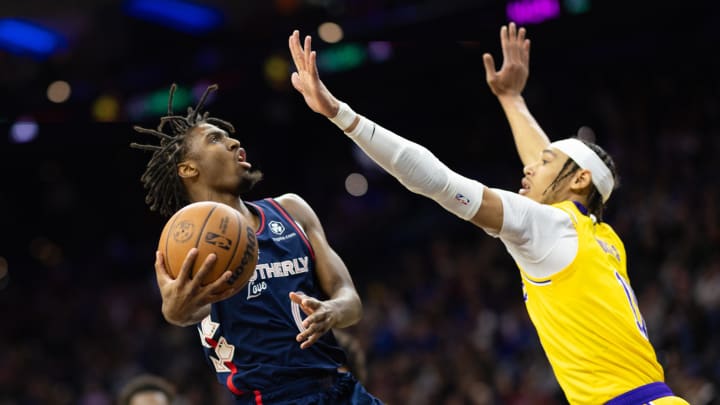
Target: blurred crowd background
444,319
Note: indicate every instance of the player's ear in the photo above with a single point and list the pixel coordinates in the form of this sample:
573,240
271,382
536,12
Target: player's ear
581,180
187,169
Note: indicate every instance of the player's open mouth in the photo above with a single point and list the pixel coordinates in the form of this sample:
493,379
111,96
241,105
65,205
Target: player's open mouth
525,187
241,159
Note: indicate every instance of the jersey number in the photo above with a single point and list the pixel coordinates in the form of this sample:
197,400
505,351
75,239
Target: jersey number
297,315
639,321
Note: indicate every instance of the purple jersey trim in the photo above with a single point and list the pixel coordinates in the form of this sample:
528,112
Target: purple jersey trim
642,394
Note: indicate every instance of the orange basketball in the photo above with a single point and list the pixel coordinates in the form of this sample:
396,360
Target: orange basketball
211,227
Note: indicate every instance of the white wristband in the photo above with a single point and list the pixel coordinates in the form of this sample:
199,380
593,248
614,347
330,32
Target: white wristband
345,116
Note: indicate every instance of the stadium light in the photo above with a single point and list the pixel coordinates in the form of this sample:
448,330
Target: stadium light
27,38
532,11
181,15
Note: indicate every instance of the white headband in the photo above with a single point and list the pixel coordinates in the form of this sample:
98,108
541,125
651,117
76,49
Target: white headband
586,158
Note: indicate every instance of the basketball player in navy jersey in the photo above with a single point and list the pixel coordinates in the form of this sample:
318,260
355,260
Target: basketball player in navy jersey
269,341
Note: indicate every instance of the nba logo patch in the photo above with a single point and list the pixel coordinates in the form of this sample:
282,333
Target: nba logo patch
218,240
462,199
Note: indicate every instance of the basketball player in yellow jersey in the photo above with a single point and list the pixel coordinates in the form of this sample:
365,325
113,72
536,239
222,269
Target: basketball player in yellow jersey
572,264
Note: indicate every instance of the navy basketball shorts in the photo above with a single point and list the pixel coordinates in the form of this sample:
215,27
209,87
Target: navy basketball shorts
340,389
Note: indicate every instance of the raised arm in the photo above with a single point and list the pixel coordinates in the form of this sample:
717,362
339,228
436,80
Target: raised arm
508,84
528,228
412,164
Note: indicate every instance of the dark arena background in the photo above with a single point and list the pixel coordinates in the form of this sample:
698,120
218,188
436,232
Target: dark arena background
444,320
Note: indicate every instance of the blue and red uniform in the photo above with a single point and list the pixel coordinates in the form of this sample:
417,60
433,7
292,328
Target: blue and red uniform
249,338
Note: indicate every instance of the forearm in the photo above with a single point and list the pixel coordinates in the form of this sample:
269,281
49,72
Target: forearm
530,139
348,307
414,166
185,318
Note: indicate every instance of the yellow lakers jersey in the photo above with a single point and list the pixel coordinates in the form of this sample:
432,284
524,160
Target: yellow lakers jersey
588,320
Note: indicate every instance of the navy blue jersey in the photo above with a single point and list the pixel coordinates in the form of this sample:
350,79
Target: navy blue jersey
249,338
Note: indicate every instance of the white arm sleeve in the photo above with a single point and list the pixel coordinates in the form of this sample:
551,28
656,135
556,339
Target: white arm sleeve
418,169
542,239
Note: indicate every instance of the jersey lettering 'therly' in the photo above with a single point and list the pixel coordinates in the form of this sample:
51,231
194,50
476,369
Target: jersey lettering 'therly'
266,271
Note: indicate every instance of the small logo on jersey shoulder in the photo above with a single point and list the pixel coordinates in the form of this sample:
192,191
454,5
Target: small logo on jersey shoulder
609,248
218,240
276,227
462,199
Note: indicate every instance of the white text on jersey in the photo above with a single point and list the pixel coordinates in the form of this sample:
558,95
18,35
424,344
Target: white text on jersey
265,271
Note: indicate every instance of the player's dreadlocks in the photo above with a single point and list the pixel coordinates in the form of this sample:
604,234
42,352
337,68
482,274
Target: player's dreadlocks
165,191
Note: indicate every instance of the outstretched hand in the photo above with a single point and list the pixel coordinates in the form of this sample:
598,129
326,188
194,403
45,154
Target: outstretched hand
307,80
320,318
510,80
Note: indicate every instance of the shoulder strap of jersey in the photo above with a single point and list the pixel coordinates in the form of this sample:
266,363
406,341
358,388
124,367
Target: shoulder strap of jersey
256,205
571,209
294,224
